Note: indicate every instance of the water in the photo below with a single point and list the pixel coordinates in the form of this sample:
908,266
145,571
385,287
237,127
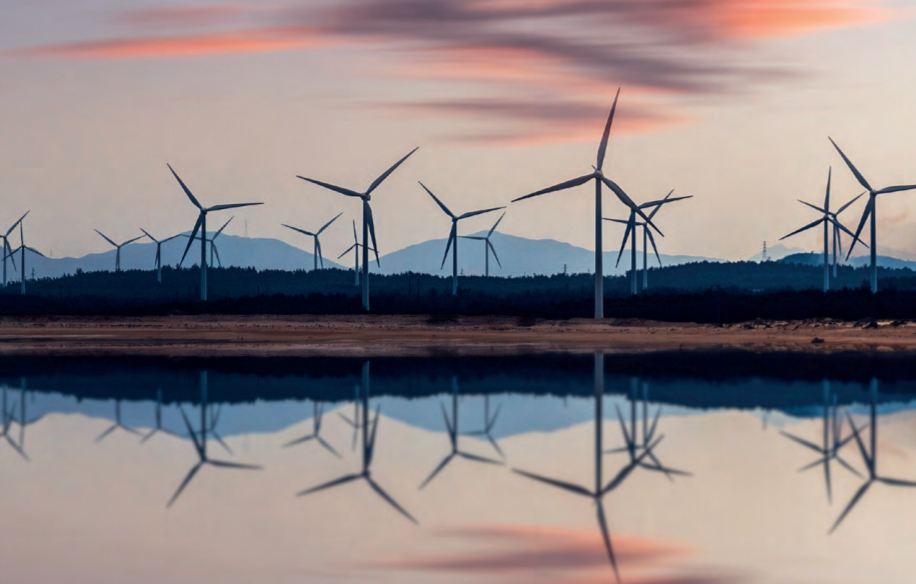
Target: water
509,469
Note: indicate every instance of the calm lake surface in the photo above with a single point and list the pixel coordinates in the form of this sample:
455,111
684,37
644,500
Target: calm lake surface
670,468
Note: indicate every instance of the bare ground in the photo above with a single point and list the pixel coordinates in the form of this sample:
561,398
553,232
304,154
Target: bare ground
424,335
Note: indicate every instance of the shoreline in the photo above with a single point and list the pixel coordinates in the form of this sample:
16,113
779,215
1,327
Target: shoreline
369,335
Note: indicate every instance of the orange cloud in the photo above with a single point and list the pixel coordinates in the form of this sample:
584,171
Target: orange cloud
249,40
172,16
755,19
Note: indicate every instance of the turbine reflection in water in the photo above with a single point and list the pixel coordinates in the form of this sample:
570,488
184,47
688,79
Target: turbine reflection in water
316,432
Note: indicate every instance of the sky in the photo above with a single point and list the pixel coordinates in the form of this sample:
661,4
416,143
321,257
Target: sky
730,101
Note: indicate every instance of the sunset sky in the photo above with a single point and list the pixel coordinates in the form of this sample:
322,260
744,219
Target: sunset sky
727,100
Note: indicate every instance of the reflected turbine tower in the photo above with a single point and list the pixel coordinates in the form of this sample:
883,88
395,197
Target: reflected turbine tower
118,247
488,424
368,224
158,427
316,255
7,417
870,211
452,427
369,431
599,178
869,458
201,226
600,489
200,443
453,235
488,246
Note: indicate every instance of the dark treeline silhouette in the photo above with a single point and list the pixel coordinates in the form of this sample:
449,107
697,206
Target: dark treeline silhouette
698,292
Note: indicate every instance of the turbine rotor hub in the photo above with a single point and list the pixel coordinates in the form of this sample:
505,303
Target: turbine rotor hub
598,173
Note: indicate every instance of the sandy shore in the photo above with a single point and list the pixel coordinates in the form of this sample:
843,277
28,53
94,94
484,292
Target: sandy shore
421,335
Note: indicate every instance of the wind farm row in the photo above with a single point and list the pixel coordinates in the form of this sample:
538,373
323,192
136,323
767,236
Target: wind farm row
639,216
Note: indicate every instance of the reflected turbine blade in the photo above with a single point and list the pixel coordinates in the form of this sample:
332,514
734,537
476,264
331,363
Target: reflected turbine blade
104,434
225,464
851,504
184,483
606,535
388,498
476,458
328,447
802,441
437,470
328,485
555,483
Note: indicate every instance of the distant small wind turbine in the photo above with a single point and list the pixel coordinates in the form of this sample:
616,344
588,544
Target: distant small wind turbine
7,249
22,249
453,235
316,255
599,178
488,246
870,210
368,224
647,238
118,247
201,225
316,432
489,422
117,424
158,261
355,248
7,417
828,219
158,427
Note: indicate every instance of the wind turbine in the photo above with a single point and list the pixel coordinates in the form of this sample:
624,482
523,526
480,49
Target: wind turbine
7,418
488,424
7,249
317,247
488,246
117,424
158,427
453,235
832,441
599,178
837,242
647,238
212,241
201,225
369,434
452,426
870,210
869,458
828,219
368,224
600,489
316,432
118,247
200,445
355,247
21,249
158,261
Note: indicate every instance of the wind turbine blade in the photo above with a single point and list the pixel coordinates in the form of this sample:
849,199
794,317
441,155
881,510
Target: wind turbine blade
852,167
474,237
602,148
554,483
325,226
320,256
806,227
623,221
10,230
170,238
623,243
35,251
437,470
623,427
869,207
654,248
302,231
216,253
802,441
851,504
896,189
559,187
843,208
129,241
869,461
606,535
381,492
815,207
346,252
476,458
848,232
220,230
328,485
355,239
10,254
148,235
626,200
496,257
328,447
438,202
474,213
106,238
200,218
385,174
331,187
896,482
299,440
448,245
848,467
186,190
105,434
231,206
372,232
225,464
184,483
827,196
492,229
660,202
197,445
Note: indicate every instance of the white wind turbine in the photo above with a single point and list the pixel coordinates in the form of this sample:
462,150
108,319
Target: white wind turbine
647,238
599,178
870,210
828,219
158,261
201,225
317,247
22,249
7,248
453,235
488,246
368,224
118,247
